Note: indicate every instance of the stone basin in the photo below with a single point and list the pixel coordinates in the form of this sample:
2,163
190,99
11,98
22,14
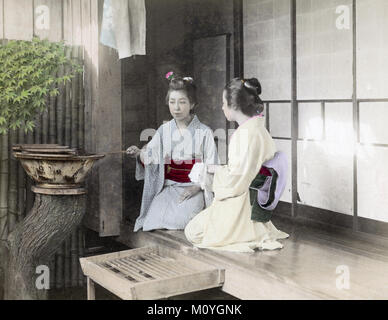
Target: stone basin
58,172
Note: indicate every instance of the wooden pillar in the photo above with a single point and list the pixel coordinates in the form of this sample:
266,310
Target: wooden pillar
105,183
91,289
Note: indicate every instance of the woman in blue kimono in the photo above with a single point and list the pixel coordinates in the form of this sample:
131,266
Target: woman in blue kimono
170,200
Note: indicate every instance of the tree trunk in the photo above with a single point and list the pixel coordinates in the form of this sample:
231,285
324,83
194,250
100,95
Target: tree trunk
51,220
3,267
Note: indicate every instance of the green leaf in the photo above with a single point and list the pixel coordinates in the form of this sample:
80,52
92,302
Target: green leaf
29,73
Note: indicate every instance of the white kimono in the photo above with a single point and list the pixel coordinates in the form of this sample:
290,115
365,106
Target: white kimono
227,224
161,208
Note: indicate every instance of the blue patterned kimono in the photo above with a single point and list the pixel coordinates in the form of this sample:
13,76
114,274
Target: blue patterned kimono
161,208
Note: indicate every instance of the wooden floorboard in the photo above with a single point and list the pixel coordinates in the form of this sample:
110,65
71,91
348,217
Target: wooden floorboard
306,268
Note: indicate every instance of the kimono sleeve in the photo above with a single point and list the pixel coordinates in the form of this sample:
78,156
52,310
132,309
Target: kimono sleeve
210,154
139,173
151,156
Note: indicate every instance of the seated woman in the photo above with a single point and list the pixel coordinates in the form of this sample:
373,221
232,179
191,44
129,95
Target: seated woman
170,200
227,224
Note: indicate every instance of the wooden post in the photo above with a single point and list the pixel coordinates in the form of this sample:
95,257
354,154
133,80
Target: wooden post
51,117
12,183
81,277
107,129
67,105
74,104
21,183
38,130
74,258
45,124
91,289
81,108
60,110
66,264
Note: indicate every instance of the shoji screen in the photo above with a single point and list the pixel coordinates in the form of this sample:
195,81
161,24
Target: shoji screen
325,72
267,46
329,169
372,80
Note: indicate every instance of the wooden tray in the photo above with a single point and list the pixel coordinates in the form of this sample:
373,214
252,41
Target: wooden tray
149,273
49,150
35,147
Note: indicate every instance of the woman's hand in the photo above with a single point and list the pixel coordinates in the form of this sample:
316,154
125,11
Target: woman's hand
189,192
133,151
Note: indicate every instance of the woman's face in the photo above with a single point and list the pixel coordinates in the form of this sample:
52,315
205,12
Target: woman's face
179,105
228,112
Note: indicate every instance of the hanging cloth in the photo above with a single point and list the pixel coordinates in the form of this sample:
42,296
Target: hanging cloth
124,27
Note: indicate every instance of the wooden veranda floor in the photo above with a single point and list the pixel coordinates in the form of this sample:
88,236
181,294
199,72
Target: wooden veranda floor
306,268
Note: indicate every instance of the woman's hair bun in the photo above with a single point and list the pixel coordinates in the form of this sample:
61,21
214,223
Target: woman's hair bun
177,82
244,95
253,85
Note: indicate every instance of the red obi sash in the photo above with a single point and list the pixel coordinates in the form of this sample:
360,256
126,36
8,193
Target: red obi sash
179,172
265,172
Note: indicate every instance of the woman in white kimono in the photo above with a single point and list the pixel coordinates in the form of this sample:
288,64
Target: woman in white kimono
170,200
227,224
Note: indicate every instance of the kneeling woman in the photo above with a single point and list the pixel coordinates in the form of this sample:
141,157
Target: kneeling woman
170,200
227,224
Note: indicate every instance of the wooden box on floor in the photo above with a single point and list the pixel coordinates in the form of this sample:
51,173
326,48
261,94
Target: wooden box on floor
149,273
